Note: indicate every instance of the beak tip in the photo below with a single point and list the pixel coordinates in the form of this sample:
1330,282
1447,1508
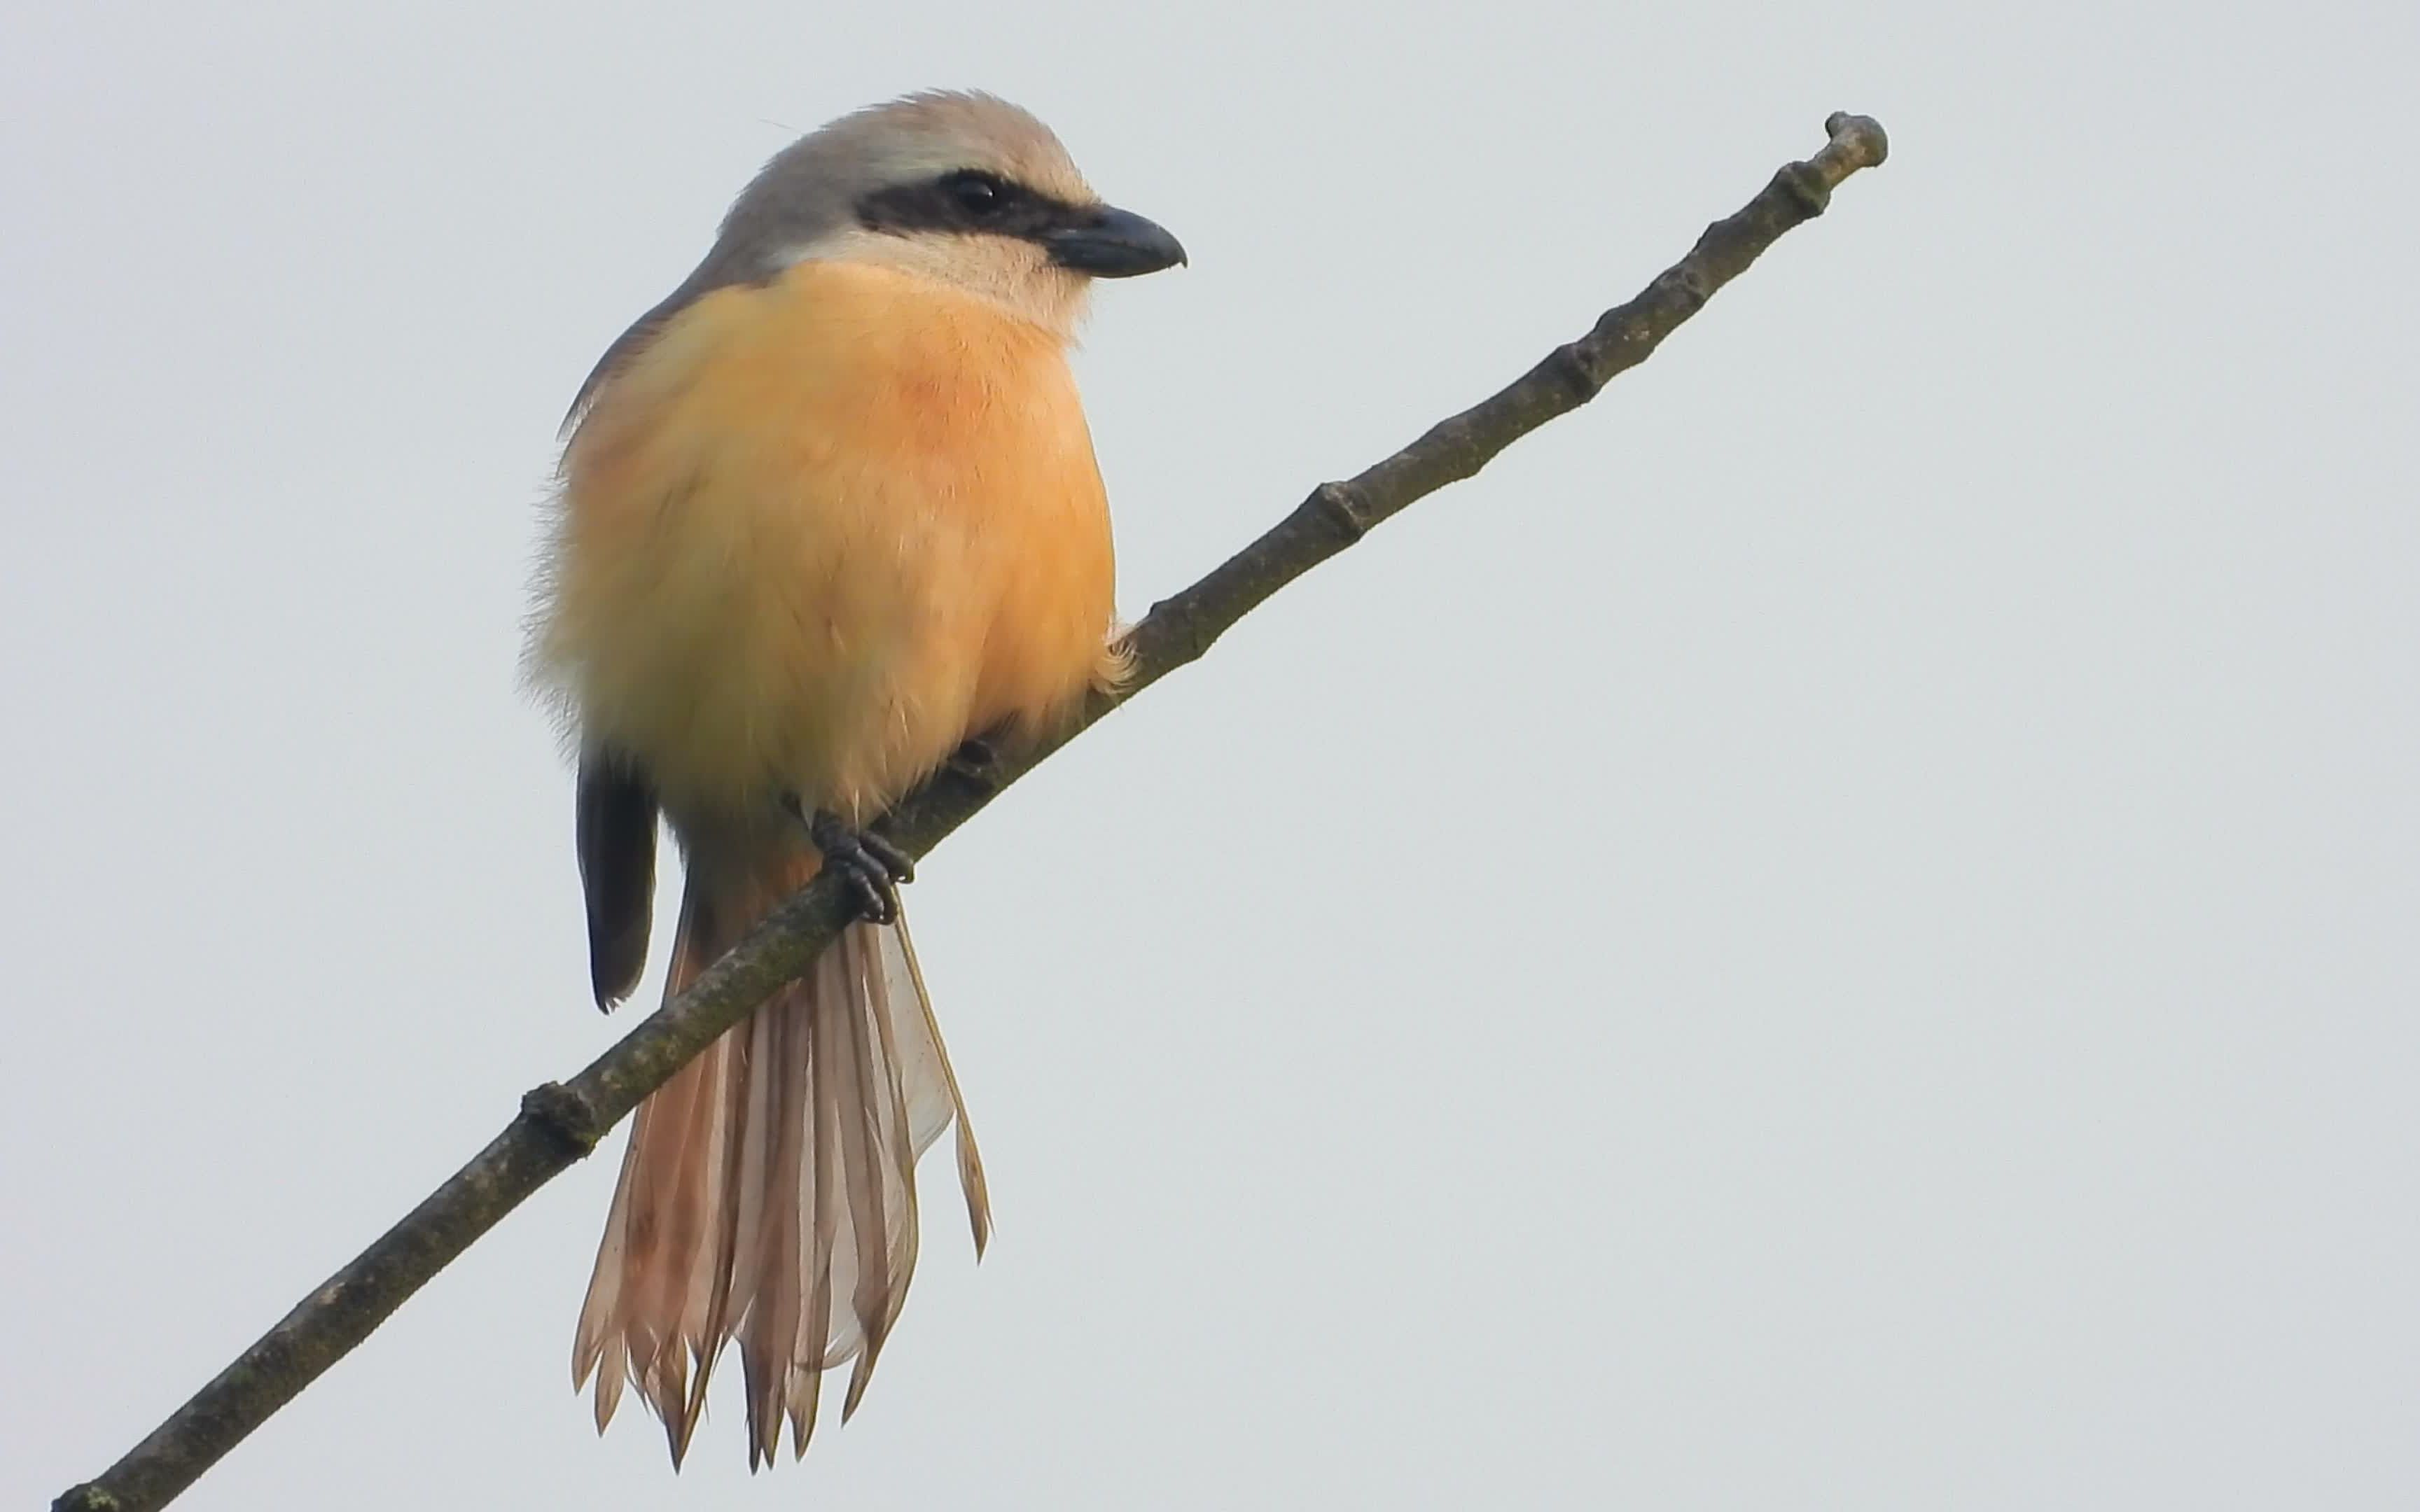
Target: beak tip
1117,244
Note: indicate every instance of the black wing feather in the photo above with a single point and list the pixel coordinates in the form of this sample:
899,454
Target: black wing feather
617,870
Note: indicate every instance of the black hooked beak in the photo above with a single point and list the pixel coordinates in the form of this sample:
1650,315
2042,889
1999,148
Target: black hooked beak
1109,242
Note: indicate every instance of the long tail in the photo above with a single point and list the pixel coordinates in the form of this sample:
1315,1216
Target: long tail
769,1191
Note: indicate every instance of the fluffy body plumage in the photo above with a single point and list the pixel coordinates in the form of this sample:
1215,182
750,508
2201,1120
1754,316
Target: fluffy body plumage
818,531
828,512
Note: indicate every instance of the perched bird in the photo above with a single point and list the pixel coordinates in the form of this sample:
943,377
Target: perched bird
826,514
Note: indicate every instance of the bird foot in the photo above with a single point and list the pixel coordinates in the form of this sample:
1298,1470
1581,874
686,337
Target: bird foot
869,867
976,760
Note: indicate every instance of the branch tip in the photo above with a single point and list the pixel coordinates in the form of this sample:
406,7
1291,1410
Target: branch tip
1860,139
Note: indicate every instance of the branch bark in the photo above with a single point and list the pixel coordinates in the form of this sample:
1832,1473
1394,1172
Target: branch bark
560,1123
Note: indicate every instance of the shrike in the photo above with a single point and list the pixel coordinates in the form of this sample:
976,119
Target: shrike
827,513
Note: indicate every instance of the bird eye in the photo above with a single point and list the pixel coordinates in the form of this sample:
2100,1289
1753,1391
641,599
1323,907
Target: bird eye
978,194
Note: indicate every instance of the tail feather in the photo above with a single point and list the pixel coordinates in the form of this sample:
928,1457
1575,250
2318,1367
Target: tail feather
880,1213
925,1065
768,1194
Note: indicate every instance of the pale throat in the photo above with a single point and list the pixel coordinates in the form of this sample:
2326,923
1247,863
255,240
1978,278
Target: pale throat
1017,276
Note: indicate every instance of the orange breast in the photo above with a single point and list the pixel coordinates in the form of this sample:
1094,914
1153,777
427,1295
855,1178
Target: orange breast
818,532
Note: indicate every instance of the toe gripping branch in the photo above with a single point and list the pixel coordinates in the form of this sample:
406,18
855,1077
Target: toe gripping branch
869,866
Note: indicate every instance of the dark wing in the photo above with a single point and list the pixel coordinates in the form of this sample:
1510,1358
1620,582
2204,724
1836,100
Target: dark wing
617,870
720,269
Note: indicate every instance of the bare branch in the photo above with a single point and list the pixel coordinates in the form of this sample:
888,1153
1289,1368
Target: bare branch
560,1123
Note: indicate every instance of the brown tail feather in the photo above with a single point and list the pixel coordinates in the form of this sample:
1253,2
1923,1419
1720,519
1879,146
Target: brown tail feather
769,1195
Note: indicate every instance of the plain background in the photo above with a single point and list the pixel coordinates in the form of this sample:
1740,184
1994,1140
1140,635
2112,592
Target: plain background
1837,929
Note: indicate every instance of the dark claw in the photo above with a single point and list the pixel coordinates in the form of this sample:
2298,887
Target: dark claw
897,862
868,865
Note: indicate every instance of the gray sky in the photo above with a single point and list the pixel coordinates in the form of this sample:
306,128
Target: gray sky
1836,931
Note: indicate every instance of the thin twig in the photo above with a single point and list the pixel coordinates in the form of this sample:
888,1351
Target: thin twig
558,1124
